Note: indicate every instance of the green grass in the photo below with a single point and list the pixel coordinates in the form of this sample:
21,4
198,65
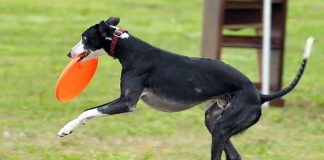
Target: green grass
35,36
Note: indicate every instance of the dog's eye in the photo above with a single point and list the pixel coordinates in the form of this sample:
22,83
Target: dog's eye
84,39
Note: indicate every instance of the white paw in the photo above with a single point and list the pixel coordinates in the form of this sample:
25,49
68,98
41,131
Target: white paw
68,128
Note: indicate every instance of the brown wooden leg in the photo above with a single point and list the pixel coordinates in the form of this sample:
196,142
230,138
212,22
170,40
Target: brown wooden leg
259,56
212,28
277,55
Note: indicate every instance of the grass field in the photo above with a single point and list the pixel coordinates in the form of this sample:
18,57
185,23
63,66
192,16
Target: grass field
35,36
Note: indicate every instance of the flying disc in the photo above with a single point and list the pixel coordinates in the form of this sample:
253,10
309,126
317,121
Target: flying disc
74,78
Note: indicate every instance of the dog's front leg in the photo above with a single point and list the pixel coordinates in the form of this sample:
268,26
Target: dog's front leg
130,93
114,107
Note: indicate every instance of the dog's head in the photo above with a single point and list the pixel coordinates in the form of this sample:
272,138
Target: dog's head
94,39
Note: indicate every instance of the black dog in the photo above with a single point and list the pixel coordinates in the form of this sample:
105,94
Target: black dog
171,82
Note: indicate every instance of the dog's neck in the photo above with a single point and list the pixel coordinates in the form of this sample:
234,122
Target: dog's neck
128,49
111,39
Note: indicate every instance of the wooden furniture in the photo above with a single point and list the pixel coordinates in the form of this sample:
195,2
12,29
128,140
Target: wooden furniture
239,14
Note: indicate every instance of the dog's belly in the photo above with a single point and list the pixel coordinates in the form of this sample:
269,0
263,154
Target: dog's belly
165,104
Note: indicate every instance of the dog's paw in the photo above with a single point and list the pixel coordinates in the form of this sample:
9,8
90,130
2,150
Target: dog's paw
69,127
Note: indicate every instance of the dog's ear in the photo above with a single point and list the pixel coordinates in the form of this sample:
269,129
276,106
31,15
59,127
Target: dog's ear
113,21
103,28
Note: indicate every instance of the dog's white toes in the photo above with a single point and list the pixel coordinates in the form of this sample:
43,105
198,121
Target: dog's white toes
63,132
68,128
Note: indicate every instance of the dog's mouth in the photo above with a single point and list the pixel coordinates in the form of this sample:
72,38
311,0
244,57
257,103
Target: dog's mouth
83,55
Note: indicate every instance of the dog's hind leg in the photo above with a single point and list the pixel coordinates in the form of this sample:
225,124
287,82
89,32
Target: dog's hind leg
230,151
244,111
211,115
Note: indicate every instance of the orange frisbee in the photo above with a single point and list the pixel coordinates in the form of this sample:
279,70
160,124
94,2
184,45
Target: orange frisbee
74,78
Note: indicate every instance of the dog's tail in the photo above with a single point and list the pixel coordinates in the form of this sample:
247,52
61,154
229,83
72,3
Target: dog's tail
308,49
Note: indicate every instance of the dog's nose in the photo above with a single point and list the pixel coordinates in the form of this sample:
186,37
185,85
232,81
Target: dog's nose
69,55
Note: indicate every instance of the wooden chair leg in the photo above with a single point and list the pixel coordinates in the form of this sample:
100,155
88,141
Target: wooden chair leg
259,56
213,26
277,55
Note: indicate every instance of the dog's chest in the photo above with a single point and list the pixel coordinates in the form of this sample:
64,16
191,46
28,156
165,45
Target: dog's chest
164,104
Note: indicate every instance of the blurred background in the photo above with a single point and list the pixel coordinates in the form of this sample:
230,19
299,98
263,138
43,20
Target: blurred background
35,36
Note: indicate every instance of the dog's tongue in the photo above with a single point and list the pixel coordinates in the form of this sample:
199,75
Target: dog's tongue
82,55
